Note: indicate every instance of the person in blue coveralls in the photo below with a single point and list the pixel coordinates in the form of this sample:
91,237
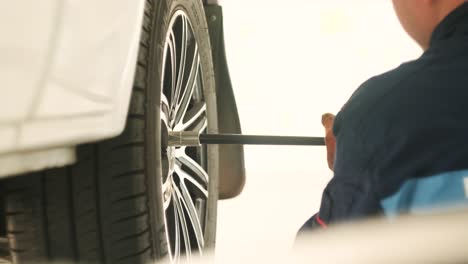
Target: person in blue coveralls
400,143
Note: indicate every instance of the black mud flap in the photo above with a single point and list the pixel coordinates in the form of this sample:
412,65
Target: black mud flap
232,169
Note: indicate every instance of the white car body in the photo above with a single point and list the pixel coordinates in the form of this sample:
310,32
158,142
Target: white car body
67,71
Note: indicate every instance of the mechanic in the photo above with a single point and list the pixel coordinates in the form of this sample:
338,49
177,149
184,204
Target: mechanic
402,138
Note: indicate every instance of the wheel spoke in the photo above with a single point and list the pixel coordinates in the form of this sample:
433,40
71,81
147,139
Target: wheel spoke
177,232
165,110
186,95
173,55
201,125
167,193
183,59
165,104
174,66
183,175
191,117
183,224
193,215
194,166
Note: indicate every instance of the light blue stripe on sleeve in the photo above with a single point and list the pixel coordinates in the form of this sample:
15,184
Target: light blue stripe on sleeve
430,193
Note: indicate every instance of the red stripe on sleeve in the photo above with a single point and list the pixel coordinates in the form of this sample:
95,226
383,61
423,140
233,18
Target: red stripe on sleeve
321,222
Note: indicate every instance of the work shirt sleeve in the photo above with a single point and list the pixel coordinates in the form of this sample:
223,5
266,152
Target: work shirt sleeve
349,195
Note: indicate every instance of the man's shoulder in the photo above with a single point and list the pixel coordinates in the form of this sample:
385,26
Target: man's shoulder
378,86
374,95
398,75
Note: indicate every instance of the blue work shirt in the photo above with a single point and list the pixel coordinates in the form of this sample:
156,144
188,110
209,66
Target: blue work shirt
402,138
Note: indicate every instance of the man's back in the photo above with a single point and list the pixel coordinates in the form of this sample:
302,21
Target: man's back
402,133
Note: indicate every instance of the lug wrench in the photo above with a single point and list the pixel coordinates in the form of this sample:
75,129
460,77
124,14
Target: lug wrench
180,139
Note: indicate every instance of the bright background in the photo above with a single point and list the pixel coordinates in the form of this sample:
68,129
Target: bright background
290,61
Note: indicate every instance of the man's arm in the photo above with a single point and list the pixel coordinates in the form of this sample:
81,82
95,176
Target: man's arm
327,121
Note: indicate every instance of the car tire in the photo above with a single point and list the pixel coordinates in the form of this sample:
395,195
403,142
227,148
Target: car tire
110,207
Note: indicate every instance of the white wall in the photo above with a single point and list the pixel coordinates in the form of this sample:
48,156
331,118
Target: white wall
291,61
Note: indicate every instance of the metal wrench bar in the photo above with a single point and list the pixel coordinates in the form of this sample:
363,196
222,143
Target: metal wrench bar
194,139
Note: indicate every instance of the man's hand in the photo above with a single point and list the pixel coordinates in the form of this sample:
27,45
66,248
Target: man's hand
330,141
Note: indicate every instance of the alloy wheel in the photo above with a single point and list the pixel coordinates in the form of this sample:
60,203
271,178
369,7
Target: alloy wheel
184,177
